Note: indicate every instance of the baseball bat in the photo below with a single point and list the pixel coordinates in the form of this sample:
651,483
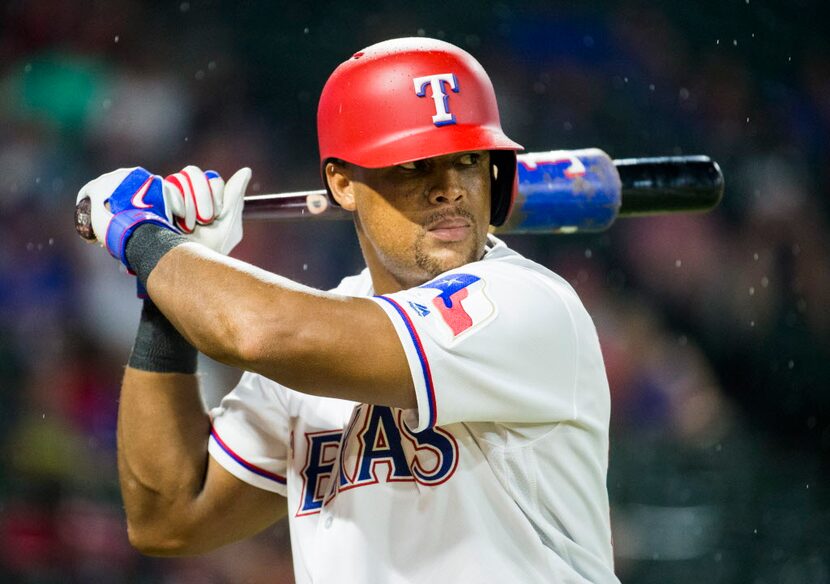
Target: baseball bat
562,191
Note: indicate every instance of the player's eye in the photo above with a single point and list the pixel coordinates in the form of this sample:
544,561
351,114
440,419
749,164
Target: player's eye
469,159
414,165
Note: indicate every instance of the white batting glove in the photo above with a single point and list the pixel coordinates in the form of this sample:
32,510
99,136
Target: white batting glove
224,232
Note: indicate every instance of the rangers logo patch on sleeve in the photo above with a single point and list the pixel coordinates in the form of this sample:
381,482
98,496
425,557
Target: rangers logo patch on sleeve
461,302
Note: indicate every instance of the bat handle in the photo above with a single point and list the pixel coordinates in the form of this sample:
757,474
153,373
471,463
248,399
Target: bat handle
284,206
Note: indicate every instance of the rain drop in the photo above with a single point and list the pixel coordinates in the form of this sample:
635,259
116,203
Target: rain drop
588,253
117,38
752,290
678,263
184,6
305,267
764,282
790,364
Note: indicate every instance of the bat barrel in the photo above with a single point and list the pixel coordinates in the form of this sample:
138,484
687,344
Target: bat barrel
670,184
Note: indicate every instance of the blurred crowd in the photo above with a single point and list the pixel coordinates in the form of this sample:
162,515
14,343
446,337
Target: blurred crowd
715,328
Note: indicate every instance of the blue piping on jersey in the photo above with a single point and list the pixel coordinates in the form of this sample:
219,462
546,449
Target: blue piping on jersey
251,467
416,340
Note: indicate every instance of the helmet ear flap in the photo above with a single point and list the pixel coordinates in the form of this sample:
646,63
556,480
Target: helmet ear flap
503,186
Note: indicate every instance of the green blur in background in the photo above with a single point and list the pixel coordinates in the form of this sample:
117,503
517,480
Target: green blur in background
715,328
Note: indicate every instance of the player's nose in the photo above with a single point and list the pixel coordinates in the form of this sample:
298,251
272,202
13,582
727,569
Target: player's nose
446,187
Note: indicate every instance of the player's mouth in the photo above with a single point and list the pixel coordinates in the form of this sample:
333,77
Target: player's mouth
451,229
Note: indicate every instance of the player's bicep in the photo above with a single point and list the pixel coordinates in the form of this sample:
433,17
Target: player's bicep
346,348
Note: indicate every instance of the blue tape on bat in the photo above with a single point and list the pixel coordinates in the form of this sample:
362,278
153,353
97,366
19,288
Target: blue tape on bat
565,192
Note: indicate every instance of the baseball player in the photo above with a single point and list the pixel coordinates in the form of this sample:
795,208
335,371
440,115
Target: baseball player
440,417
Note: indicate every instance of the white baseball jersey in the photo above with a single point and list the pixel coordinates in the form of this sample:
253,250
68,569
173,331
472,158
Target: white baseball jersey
498,476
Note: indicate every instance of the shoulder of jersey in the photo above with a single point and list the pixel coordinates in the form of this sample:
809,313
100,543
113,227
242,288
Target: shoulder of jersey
357,285
513,263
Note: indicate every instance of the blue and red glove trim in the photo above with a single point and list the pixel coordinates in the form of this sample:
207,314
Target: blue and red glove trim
121,227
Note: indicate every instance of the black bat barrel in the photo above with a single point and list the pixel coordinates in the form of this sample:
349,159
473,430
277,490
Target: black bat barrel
670,184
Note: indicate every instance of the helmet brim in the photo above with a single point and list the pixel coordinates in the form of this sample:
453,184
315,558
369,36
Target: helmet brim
421,144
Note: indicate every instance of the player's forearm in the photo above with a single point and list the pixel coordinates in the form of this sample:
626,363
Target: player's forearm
162,457
229,310
311,341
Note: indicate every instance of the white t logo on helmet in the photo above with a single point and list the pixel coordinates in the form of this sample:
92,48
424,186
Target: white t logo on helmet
442,115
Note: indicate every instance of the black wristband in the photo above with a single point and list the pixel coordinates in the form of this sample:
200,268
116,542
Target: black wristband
147,245
159,347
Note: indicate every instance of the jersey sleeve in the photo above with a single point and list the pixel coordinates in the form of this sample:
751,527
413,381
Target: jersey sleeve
490,341
249,433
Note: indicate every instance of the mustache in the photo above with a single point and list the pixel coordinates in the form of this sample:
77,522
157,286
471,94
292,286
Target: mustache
450,214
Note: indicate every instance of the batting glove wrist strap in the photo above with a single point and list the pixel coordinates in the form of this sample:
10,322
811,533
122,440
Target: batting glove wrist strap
159,347
148,243
123,225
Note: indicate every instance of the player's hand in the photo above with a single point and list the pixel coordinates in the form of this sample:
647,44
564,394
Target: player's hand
128,197
224,232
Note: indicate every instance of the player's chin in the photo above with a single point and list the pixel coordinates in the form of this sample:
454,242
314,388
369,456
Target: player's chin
435,258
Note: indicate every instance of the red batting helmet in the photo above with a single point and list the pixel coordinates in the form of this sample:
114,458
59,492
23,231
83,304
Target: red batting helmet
408,99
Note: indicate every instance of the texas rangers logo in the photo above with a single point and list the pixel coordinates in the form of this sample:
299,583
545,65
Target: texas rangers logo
438,83
461,302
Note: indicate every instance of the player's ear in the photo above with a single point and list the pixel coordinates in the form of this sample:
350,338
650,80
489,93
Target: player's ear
341,184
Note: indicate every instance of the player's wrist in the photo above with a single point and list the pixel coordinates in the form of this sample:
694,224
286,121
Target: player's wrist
159,347
147,244
123,225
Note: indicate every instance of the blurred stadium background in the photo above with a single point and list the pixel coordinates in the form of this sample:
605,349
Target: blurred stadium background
715,328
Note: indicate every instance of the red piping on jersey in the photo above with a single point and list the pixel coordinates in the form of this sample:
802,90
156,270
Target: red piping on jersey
416,340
